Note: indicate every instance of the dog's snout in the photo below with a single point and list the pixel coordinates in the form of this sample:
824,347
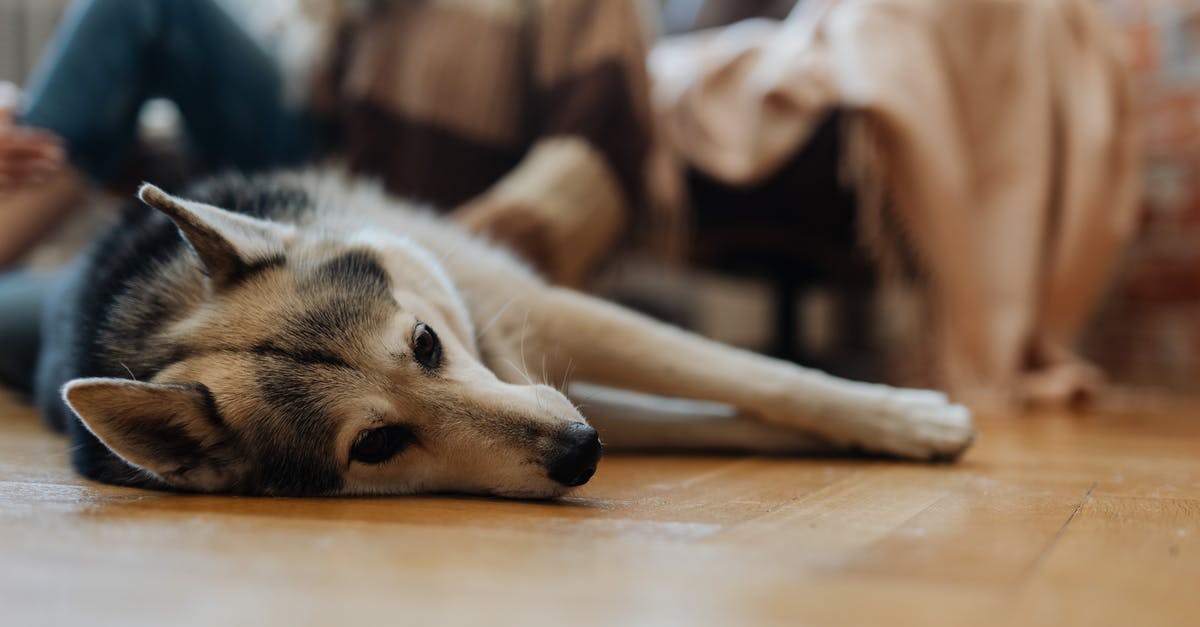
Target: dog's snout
578,451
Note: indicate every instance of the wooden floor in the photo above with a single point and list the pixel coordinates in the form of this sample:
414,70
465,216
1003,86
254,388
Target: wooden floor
1050,520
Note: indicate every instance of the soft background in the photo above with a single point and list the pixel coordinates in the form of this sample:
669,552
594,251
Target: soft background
1147,331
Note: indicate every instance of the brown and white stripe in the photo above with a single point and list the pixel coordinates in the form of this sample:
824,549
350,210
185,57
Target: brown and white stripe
542,100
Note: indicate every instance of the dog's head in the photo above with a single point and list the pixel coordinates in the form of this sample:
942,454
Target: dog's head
314,364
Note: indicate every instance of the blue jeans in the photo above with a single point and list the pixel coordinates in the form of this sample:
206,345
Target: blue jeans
21,296
109,56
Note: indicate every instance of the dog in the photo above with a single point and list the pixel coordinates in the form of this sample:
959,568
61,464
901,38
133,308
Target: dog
301,333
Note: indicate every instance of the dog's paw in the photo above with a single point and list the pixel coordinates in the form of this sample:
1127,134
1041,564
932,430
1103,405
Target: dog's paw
919,424
914,424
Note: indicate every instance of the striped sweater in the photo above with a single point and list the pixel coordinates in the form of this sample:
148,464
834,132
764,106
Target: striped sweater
539,103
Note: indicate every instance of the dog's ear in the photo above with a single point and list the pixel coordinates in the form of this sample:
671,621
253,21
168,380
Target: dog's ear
173,431
229,245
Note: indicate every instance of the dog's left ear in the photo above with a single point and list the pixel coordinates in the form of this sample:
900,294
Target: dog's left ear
172,431
228,244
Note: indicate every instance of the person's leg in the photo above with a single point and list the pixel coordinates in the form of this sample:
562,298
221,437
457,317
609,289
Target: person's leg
21,298
109,56
106,59
230,90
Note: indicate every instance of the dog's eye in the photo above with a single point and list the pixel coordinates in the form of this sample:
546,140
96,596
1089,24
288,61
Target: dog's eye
426,347
375,446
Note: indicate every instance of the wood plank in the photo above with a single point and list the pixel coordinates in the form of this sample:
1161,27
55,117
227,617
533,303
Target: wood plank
989,531
1120,561
1053,519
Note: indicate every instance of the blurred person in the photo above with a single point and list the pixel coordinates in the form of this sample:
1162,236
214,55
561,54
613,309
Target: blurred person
517,109
77,124
992,147
532,117
528,119
31,162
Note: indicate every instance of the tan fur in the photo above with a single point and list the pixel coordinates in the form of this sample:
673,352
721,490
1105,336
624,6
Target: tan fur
486,422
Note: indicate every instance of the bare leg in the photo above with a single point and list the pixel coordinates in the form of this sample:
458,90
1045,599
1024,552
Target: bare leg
605,344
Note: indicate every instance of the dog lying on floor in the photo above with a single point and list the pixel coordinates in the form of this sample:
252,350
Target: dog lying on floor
303,334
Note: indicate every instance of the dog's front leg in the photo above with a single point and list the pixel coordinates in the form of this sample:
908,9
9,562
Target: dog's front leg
613,346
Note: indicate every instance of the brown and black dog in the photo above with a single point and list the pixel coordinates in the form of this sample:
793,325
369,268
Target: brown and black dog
303,334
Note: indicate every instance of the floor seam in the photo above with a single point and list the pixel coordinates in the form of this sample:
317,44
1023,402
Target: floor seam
1041,558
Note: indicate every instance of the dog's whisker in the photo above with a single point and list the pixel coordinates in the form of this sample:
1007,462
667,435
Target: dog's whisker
588,397
450,253
519,371
537,391
524,365
537,396
495,317
566,380
128,370
524,332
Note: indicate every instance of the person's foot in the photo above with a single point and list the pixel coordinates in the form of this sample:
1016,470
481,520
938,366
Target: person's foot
1070,384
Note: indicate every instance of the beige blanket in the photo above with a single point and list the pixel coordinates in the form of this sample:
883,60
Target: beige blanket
997,135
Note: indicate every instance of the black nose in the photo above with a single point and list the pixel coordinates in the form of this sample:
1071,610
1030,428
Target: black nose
574,461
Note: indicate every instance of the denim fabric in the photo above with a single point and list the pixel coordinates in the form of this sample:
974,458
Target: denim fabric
109,56
21,298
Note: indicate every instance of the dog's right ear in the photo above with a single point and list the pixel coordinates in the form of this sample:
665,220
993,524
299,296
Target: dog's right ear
173,431
229,245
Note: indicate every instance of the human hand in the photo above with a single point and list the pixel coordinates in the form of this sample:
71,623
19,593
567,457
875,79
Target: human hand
510,224
27,155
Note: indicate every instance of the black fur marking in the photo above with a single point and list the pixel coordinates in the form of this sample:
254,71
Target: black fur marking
122,272
298,459
339,322
249,270
217,258
304,355
165,441
349,297
239,271
336,322
275,200
357,270
142,243
212,413
92,459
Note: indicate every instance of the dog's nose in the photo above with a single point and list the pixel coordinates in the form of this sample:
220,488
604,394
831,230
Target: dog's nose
574,462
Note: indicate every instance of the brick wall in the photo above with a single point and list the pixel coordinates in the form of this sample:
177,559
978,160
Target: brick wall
1148,331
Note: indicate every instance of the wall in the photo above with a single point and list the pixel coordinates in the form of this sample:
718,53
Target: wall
1148,331
25,26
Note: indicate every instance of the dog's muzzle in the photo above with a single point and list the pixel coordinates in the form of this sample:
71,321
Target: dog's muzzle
578,451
